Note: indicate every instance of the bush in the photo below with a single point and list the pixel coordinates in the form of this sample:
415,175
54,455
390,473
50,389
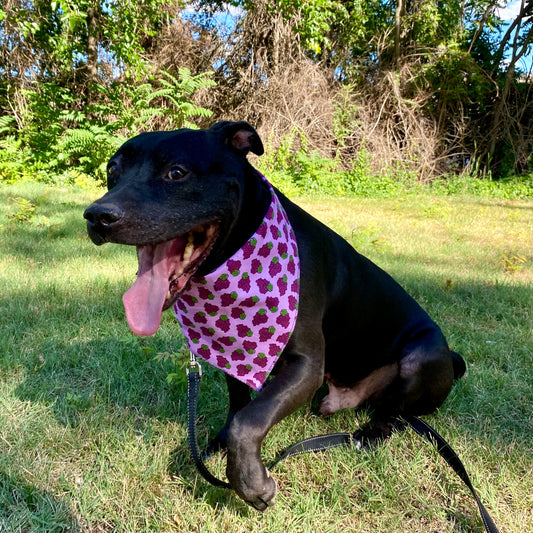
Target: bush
62,134
512,188
296,171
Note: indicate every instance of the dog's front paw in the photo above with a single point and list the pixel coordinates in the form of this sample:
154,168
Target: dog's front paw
263,498
256,489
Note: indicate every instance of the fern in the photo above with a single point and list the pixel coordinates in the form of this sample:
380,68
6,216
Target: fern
7,124
175,92
77,140
72,115
63,135
88,148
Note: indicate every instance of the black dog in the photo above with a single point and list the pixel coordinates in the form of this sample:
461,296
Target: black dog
189,200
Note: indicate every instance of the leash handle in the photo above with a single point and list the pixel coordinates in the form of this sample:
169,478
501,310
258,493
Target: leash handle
194,374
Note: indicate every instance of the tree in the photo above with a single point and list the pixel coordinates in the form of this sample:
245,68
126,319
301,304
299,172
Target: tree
76,79
510,123
426,87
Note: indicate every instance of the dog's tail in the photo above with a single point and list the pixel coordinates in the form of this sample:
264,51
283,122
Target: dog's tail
459,365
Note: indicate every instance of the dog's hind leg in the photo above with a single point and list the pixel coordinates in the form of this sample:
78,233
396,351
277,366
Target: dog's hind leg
422,385
418,384
373,385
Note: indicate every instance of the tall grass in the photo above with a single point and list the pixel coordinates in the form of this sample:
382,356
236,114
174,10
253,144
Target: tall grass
93,437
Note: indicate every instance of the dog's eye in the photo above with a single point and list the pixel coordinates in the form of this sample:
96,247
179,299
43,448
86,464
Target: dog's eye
176,173
112,167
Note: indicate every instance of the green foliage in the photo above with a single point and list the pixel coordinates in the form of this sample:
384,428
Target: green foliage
7,124
300,170
315,22
516,187
12,160
366,238
58,136
15,158
87,148
297,171
60,31
51,109
180,361
513,261
362,181
345,117
25,210
63,135
80,83
165,99
78,79
175,92
127,25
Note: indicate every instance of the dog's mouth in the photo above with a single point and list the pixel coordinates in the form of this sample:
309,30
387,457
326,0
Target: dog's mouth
164,271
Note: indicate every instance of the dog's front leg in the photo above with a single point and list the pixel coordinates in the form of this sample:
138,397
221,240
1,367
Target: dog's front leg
294,385
239,397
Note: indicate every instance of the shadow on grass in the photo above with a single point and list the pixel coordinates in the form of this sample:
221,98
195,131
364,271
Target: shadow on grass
73,379
197,486
520,205
26,508
80,355
53,239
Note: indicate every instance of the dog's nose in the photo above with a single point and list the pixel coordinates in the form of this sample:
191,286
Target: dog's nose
104,215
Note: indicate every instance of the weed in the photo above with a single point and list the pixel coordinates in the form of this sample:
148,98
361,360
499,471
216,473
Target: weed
179,359
25,210
363,238
512,261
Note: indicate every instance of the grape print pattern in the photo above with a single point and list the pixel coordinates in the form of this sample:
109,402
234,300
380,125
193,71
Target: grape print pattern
240,317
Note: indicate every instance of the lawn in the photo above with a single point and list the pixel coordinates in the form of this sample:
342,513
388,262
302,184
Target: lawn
93,436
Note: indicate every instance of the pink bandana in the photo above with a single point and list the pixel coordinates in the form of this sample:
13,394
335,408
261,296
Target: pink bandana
240,317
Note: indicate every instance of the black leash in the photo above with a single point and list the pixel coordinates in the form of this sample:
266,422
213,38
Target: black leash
324,442
194,374
446,452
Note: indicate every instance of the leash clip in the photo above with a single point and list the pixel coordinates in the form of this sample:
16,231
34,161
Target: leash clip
194,366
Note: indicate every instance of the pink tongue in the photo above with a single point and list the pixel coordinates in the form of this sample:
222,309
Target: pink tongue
145,299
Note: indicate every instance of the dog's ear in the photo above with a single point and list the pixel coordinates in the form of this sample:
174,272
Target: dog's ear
240,136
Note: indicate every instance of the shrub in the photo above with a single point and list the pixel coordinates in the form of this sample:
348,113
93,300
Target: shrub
62,133
516,187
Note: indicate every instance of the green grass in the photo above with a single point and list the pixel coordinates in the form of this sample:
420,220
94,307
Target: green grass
93,438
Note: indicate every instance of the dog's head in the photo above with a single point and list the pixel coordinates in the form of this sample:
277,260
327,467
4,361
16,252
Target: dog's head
175,196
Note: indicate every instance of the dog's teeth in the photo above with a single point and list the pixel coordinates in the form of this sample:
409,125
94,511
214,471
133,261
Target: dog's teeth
168,295
189,249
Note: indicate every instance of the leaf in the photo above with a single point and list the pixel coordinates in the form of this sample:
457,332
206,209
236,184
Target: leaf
7,124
